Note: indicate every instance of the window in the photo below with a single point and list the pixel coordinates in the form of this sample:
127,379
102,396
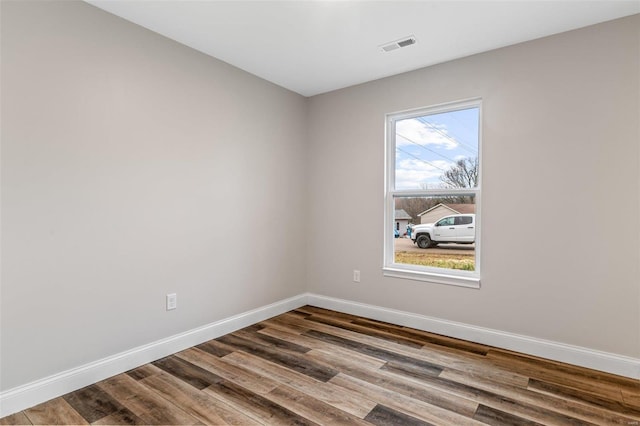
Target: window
447,221
464,220
433,172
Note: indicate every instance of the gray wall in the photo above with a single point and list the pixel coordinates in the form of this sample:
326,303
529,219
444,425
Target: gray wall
560,130
133,167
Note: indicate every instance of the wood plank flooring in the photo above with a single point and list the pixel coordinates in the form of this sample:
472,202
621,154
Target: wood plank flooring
312,366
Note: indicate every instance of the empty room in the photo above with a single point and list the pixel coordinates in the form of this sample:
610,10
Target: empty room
320,212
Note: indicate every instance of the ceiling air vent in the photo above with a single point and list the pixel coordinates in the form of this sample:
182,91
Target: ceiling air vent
403,42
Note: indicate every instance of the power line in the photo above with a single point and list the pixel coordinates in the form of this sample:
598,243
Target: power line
419,159
462,144
424,147
462,123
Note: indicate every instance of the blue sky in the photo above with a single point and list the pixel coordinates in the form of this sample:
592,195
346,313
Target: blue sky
427,146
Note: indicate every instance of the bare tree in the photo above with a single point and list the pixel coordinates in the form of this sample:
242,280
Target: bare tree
464,174
414,206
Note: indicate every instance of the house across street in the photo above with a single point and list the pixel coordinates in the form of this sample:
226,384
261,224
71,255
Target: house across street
441,210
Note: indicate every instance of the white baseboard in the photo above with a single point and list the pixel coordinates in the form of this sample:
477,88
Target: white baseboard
25,396
583,357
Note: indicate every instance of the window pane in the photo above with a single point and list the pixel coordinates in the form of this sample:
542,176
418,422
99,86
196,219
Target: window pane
436,231
437,150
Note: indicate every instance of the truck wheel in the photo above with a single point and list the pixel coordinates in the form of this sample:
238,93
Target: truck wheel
423,241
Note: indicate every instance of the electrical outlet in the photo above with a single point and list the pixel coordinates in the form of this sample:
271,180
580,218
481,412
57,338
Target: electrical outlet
356,276
172,301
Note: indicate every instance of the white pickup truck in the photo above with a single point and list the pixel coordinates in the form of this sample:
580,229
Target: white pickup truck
457,228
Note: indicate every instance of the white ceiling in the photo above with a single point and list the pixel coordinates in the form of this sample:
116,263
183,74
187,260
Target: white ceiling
312,47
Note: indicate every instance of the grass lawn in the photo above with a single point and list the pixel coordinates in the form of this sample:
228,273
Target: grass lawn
449,261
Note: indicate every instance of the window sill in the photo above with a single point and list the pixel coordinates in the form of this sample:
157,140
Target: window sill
432,277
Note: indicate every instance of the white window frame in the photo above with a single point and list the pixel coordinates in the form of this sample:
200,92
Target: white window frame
390,268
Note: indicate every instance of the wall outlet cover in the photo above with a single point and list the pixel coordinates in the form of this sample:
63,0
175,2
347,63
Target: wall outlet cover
172,301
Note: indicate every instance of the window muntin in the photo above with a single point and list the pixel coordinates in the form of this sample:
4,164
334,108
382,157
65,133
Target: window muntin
433,162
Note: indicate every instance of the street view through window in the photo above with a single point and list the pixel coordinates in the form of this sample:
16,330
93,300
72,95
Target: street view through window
433,185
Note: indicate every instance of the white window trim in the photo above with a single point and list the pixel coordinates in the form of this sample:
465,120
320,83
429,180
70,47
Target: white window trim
470,279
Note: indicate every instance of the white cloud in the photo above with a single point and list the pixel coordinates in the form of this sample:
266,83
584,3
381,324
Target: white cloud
410,173
413,130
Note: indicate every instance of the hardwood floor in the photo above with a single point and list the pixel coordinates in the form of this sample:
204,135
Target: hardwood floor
313,366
